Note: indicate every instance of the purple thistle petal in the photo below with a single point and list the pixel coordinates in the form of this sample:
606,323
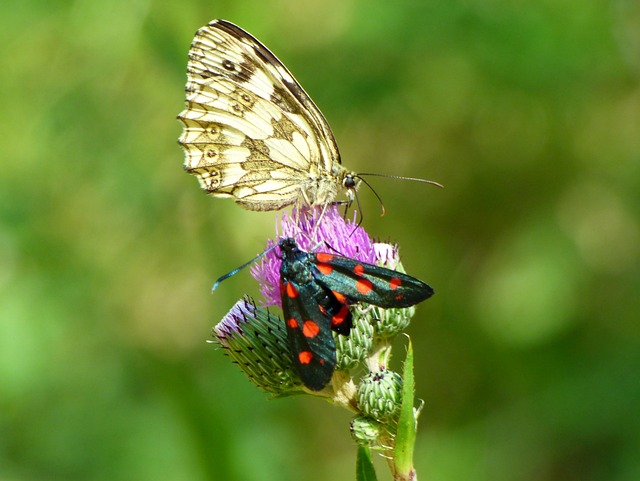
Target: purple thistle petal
387,255
256,341
231,324
314,231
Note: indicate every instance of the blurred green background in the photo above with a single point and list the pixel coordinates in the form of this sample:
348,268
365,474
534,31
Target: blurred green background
528,357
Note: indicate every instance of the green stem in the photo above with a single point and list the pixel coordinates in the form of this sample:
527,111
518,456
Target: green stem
380,355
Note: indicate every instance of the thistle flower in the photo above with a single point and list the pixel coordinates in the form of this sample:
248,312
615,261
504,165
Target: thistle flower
324,229
257,342
313,230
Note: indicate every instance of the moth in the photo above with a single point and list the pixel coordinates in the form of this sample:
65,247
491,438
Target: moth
250,131
317,290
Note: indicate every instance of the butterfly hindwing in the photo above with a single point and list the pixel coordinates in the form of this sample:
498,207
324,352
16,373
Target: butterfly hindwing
250,130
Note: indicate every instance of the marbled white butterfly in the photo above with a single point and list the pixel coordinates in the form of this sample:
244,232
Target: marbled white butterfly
250,131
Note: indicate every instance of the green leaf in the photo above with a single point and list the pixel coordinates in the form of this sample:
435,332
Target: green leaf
364,465
406,434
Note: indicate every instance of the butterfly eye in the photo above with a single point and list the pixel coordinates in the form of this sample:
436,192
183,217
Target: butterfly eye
349,181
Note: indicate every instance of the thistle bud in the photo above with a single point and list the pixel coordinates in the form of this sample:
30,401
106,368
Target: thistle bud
365,430
380,394
256,340
353,349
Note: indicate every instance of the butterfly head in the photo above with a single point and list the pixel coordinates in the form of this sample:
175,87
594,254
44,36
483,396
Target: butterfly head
350,183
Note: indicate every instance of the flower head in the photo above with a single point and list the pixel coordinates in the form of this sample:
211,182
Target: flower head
314,229
257,342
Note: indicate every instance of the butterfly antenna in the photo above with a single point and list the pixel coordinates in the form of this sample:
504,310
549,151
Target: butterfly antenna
238,269
360,213
374,193
328,244
400,177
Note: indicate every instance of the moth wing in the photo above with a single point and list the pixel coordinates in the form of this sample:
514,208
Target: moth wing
369,283
309,334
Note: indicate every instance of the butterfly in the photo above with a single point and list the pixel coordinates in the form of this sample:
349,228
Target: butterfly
251,132
317,290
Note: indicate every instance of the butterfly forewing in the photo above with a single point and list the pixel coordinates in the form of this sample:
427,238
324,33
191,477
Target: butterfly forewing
250,130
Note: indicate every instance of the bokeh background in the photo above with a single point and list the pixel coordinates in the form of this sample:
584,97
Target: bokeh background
528,357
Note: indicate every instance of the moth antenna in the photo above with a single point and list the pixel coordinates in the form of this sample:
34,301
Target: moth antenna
400,177
238,269
374,193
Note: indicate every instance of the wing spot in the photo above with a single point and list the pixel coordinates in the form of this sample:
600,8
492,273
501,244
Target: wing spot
228,65
341,298
358,270
340,316
364,286
305,357
326,269
292,292
310,329
292,323
284,129
394,283
324,257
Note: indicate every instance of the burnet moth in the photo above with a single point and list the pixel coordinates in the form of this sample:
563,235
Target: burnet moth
317,289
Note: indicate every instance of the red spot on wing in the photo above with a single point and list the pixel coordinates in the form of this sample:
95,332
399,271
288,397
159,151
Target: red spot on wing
292,323
322,309
364,286
394,283
358,270
310,329
326,269
340,316
292,292
323,257
399,297
342,299
305,357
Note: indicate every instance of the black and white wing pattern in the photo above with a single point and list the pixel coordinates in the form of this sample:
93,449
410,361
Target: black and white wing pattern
250,131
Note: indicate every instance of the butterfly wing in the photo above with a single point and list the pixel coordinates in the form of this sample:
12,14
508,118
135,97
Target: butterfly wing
362,282
250,130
